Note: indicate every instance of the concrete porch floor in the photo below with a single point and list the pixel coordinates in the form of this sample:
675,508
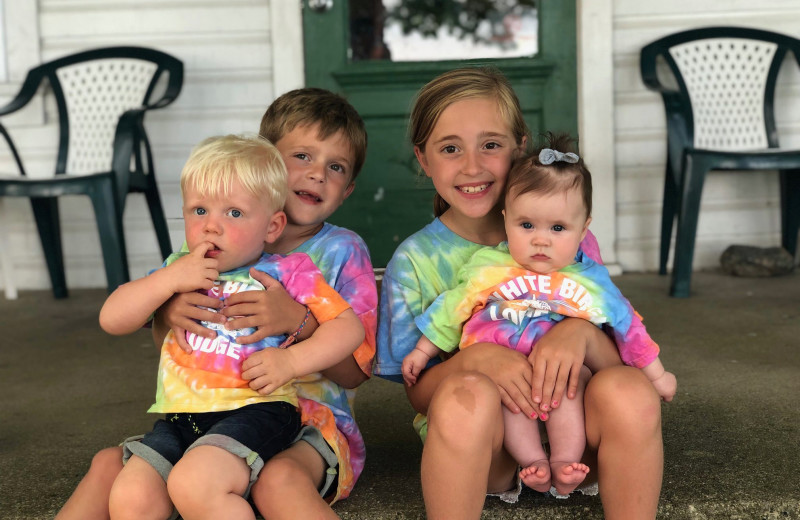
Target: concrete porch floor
731,437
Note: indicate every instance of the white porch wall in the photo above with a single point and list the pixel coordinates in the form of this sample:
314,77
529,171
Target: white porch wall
737,208
230,50
240,54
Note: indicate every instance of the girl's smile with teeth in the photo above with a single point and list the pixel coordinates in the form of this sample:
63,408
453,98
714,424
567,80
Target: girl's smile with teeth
473,189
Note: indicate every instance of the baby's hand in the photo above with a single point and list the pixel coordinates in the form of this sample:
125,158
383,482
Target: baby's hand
269,369
194,271
413,364
666,386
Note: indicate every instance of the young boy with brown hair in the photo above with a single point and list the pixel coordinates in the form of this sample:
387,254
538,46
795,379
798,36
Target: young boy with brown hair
323,143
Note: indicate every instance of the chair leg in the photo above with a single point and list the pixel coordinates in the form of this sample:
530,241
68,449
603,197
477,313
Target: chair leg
668,210
153,197
158,217
112,237
45,210
694,173
790,209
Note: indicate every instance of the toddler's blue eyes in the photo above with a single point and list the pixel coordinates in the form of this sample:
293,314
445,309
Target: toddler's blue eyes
527,225
235,213
199,211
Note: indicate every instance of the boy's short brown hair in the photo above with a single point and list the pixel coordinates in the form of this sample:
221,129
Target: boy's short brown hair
316,106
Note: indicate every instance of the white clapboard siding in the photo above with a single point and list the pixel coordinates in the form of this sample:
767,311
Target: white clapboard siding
228,55
240,54
737,207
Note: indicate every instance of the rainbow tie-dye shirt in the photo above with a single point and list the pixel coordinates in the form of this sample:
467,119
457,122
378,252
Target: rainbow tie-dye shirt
499,301
209,379
343,258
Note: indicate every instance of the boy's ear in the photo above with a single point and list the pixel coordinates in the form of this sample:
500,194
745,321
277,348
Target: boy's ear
423,162
349,190
277,223
586,227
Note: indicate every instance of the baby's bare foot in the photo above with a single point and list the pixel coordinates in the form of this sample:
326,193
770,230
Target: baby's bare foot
567,475
537,475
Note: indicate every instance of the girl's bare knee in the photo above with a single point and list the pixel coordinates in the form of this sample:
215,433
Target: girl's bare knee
623,398
465,409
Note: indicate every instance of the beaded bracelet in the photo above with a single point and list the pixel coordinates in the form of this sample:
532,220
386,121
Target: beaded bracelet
293,336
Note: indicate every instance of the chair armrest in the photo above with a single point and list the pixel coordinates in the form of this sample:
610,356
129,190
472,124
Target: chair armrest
173,88
126,139
647,65
26,92
13,148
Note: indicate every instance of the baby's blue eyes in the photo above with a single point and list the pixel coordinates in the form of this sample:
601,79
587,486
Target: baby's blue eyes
235,213
199,211
557,227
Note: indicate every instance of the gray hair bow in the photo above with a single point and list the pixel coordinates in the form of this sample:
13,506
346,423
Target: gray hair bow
549,156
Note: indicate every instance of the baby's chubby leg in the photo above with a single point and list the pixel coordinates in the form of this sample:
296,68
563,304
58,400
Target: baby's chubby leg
523,442
209,482
139,493
567,436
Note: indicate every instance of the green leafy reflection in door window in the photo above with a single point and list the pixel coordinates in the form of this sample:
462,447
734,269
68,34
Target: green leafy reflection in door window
421,30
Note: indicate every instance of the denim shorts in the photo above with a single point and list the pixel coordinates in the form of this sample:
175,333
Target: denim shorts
314,437
254,432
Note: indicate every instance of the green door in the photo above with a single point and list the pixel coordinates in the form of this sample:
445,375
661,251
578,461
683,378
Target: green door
392,200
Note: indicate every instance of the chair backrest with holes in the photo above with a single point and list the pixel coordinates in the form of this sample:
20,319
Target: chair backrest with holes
96,93
92,90
726,77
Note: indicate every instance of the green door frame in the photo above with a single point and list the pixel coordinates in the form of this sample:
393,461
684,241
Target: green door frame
382,91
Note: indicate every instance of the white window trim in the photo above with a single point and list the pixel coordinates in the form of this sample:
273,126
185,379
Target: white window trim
22,42
596,118
286,33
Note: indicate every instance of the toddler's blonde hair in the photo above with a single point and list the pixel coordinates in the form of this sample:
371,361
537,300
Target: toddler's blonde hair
254,162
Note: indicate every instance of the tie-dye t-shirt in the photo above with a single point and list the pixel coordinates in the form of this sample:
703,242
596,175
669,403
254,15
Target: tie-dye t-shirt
343,258
498,301
209,379
425,265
